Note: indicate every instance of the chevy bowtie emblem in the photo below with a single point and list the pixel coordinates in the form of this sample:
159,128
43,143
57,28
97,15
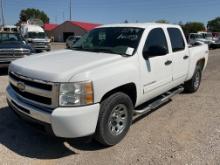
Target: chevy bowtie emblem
21,86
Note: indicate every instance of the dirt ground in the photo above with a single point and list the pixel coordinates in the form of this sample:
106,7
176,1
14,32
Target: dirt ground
183,132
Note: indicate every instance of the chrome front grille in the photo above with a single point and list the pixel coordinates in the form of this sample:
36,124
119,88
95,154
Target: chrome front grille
39,44
35,92
13,52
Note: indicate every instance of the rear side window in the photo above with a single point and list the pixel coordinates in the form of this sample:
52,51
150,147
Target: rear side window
156,38
176,39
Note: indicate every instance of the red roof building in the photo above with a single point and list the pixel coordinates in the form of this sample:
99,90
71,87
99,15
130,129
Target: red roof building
84,25
61,32
49,26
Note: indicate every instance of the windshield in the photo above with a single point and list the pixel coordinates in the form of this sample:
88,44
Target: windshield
36,35
117,40
10,37
198,36
208,35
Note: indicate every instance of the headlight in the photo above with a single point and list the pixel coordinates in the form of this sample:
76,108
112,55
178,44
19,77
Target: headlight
76,94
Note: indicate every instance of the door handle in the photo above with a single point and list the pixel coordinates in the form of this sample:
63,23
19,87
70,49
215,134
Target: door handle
185,57
168,62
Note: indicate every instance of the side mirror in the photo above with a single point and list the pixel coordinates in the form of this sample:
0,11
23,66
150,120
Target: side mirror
155,51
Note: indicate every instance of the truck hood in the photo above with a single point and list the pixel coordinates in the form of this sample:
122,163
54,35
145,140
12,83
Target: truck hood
46,40
14,45
202,40
62,65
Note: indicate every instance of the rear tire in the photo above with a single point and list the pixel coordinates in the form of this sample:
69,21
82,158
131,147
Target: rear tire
193,85
115,119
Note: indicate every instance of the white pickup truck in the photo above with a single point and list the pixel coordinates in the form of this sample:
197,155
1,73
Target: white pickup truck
111,74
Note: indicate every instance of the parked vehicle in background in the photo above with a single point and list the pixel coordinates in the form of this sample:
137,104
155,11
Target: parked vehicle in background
9,28
112,73
216,36
12,47
36,37
206,35
196,37
72,40
213,41
215,44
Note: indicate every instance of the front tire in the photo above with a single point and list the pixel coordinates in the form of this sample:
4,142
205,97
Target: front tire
193,85
115,119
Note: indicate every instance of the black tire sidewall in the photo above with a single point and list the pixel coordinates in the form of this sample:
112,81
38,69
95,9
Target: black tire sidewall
197,71
190,85
107,107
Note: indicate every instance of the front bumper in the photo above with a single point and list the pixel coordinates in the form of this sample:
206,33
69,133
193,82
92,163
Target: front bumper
214,45
37,46
65,122
5,62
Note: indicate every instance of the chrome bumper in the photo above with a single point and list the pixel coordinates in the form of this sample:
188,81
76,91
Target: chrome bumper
69,122
27,109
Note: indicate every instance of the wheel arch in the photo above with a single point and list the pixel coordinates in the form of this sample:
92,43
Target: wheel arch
129,89
201,63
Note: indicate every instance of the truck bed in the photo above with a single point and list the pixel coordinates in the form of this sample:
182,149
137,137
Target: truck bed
197,53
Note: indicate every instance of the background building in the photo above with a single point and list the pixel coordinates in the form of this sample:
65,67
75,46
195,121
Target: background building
48,28
61,32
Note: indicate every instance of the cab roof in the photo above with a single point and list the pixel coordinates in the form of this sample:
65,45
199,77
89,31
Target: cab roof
141,25
9,32
33,28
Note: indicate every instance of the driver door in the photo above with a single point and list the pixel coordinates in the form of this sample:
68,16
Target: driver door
156,70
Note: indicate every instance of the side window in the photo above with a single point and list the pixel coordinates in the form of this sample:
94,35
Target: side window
176,39
156,39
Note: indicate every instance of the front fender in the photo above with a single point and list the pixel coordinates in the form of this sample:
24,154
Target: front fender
113,75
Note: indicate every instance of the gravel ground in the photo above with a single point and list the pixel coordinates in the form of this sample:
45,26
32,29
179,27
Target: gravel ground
185,131
58,45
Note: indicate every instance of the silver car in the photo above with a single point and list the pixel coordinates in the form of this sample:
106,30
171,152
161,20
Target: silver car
71,40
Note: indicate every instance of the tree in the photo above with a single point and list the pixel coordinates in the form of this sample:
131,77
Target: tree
214,25
193,27
162,21
33,13
126,21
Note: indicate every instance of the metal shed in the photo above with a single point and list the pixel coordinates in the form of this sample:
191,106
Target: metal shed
61,32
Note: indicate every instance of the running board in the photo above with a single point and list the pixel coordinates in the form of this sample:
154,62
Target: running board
158,102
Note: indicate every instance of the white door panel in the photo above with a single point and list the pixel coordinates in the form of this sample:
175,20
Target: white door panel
156,74
180,65
156,69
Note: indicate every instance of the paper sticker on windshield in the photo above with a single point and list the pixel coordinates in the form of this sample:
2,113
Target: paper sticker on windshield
131,37
102,36
130,51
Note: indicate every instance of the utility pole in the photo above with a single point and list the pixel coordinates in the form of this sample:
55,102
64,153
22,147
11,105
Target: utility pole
70,10
2,13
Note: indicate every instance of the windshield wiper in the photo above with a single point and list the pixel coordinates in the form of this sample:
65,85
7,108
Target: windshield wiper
108,51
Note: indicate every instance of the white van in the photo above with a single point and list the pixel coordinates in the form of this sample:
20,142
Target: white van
36,37
9,28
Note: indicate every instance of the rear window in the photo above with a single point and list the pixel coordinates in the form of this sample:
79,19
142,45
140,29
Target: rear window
176,39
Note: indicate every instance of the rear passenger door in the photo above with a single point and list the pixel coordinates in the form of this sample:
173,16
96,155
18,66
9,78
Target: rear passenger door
180,55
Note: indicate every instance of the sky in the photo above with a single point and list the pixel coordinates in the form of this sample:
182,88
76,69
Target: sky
117,11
